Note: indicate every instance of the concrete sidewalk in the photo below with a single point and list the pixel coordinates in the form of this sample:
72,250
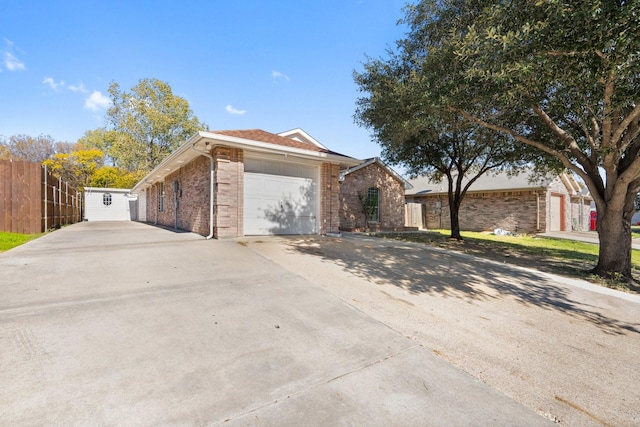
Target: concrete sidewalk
583,236
127,324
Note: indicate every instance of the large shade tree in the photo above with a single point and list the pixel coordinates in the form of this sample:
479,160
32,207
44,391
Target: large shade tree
437,144
148,123
425,140
562,77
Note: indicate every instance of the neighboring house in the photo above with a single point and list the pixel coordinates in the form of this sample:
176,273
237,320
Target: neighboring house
372,197
514,203
246,182
109,204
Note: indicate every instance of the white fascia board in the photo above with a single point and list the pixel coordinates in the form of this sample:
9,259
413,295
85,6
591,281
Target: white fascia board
171,163
107,190
303,135
265,147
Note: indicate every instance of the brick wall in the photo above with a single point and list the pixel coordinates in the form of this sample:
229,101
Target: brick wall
513,211
193,195
329,198
229,184
391,199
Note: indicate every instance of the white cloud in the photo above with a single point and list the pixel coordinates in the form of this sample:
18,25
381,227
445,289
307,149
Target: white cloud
52,83
10,61
232,110
79,88
97,101
276,75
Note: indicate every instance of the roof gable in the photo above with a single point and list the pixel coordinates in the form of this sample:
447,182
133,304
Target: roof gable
300,135
252,140
375,160
272,138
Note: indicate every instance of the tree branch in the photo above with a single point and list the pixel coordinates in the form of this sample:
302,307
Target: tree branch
572,145
591,183
628,121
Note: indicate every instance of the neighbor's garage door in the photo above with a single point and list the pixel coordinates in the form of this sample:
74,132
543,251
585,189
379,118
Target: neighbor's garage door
280,198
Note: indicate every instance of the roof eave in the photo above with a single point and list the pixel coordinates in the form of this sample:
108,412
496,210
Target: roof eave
216,140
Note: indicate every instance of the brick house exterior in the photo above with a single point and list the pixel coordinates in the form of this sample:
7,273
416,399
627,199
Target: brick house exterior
176,193
356,182
510,203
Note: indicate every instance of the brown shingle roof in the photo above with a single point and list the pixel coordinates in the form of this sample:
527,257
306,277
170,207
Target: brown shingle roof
270,138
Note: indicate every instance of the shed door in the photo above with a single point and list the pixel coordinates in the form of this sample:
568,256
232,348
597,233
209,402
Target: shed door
555,213
280,203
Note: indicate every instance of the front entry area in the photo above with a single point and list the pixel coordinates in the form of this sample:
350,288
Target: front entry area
280,197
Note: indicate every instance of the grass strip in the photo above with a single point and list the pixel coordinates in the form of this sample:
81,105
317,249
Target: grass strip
11,240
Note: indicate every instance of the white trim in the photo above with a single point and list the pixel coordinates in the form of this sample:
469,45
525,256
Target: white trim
300,135
184,154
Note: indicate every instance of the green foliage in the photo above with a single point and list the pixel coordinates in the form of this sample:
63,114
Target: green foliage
561,77
400,108
101,139
370,205
113,177
148,123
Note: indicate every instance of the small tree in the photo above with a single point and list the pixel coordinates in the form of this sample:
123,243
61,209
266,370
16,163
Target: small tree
370,206
76,167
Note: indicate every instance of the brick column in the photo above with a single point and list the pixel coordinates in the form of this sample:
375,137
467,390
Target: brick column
329,199
228,201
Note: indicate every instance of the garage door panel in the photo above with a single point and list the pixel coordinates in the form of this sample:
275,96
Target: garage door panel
277,204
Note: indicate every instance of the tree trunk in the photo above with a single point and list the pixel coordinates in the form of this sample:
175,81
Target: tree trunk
614,259
454,214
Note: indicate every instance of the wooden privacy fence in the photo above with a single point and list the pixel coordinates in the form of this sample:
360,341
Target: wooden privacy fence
32,200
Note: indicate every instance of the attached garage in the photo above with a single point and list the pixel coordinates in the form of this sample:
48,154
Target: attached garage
247,182
280,197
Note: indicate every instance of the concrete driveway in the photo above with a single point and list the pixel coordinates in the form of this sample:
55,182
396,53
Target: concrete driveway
565,348
127,324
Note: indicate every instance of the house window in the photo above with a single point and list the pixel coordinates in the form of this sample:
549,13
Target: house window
106,199
161,199
372,204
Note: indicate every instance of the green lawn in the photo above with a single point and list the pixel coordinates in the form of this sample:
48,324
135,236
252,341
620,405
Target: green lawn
11,240
563,257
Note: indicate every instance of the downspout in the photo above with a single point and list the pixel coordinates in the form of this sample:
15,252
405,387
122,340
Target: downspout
537,210
157,203
211,184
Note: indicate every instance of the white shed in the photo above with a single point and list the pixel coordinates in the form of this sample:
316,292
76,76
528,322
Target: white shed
109,204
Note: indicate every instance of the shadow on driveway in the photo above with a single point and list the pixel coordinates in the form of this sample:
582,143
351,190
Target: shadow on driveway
420,269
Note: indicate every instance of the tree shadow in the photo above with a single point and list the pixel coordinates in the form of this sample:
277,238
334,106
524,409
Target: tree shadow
425,270
295,212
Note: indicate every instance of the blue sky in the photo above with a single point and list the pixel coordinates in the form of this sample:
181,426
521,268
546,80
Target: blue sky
242,64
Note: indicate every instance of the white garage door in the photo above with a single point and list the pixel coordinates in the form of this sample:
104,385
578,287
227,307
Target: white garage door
279,203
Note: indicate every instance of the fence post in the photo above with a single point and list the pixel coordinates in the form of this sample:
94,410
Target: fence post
46,200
